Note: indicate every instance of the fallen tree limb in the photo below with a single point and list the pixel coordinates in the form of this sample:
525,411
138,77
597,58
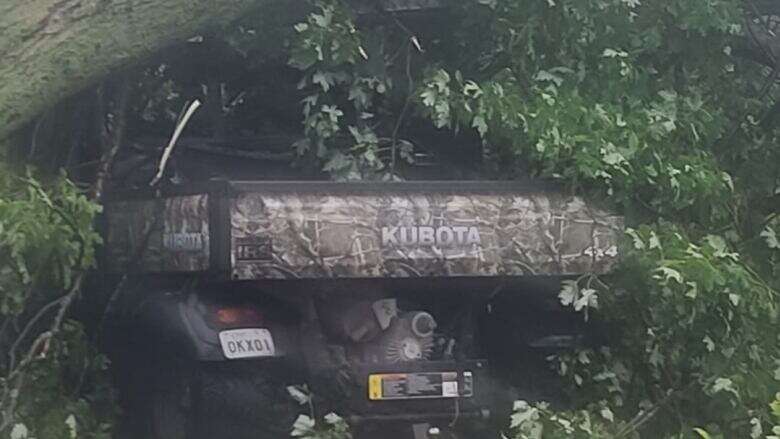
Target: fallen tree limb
12,384
51,49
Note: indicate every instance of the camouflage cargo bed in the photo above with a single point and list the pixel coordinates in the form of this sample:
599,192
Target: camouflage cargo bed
309,230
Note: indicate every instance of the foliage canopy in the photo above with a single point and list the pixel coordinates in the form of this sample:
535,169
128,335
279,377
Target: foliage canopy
650,106
643,104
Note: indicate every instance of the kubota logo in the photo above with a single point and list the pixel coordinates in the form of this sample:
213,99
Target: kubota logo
427,235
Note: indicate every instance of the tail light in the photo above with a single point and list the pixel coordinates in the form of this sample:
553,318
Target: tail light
235,316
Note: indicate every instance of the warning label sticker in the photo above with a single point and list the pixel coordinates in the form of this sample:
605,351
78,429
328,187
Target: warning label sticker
414,386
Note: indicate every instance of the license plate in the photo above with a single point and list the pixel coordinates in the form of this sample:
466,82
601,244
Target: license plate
247,343
422,385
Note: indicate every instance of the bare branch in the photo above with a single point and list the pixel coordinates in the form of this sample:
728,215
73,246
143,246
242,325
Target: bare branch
28,327
117,137
172,143
15,378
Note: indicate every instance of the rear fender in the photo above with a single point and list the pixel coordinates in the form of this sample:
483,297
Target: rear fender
183,324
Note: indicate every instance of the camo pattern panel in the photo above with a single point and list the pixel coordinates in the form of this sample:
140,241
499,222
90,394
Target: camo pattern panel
296,235
173,233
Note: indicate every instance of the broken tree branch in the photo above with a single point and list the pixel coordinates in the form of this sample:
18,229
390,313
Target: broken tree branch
14,381
172,143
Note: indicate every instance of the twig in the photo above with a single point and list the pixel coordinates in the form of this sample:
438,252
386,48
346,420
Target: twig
172,143
37,349
27,328
412,36
117,137
643,417
36,132
82,375
11,393
769,219
767,52
4,327
405,108
82,165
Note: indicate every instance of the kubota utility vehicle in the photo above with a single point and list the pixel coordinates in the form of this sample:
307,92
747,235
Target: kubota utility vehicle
407,308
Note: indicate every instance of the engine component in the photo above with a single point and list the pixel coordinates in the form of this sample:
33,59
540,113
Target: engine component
408,338
357,321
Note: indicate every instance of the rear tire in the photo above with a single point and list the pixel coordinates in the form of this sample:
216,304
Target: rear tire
171,409
241,400
156,403
247,400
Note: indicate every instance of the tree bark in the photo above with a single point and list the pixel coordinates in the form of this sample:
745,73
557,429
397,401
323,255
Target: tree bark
51,49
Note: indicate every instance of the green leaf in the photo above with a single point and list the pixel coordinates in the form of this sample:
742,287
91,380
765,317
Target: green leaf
607,414
667,273
428,97
325,80
612,53
639,244
480,124
72,425
770,236
709,343
569,292
303,426
724,385
755,428
301,396
545,76
587,299
19,431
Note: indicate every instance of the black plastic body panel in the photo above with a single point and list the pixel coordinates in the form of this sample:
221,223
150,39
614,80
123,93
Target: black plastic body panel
176,324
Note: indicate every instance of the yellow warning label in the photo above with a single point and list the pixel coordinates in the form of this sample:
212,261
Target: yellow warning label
419,385
375,387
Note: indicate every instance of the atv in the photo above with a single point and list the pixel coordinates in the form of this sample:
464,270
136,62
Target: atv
394,304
